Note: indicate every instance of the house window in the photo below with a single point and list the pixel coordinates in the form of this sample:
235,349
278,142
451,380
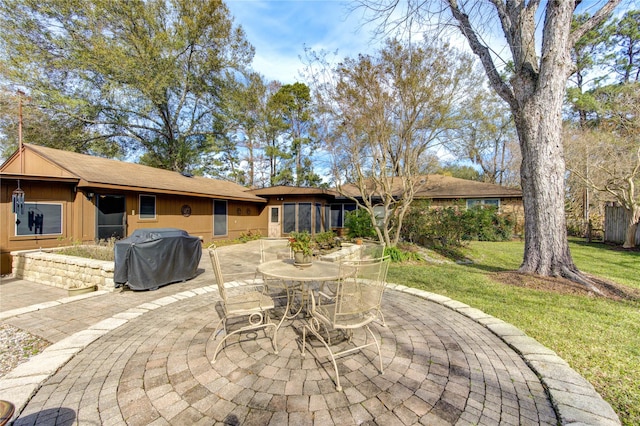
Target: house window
147,206
39,219
219,217
337,214
489,202
378,212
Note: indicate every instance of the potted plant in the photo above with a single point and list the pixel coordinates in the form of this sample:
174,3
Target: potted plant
301,244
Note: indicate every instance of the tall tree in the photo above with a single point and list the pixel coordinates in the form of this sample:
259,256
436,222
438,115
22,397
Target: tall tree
147,74
293,105
624,42
486,137
383,113
41,127
534,92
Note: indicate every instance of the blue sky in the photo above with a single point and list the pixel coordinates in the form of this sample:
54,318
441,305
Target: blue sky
280,29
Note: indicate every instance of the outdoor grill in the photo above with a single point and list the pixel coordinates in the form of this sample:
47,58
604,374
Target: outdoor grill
151,258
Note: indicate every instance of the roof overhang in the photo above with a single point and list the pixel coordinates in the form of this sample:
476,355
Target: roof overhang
18,176
93,185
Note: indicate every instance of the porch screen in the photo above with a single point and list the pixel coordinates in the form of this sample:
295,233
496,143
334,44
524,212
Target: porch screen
288,217
304,217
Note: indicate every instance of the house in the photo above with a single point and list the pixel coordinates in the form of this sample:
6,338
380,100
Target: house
71,197
443,191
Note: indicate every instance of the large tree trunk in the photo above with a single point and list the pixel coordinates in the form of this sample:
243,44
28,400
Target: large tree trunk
542,176
537,109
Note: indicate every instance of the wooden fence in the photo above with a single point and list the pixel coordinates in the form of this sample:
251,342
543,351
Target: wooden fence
615,225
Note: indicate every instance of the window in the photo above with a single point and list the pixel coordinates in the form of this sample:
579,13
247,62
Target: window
147,206
275,214
39,219
378,211
219,217
337,214
489,202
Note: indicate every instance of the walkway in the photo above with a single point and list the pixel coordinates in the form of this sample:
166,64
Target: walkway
142,358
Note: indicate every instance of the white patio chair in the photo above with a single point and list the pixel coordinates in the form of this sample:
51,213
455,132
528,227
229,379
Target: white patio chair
250,302
277,249
274,249
354,305
371,249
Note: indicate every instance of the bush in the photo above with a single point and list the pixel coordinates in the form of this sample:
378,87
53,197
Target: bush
359,223
398,255
451,226
326,240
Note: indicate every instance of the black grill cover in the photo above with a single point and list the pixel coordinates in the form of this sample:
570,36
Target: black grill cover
151,258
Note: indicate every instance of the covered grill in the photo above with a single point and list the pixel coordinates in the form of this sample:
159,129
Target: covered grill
151,258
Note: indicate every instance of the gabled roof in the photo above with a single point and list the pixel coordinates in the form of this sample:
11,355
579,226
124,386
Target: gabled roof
447,187
97,172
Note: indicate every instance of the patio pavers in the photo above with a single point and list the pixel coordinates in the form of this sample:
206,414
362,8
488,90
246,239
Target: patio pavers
151,365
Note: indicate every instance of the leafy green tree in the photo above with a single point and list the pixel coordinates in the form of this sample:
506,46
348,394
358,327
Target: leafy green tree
42,127
459,171
293,105
146,74
624,42
588,54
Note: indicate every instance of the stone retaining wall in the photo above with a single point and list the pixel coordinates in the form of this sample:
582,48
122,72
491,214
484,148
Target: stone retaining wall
57,270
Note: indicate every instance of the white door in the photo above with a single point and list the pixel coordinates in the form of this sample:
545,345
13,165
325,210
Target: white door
274,222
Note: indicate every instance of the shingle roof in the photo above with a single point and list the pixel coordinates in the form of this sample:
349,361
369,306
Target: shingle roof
293,190
101,172
447,187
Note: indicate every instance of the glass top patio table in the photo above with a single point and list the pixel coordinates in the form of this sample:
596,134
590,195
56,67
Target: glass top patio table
298,279
286,270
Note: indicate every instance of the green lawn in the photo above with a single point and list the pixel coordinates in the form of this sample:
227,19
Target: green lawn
599,338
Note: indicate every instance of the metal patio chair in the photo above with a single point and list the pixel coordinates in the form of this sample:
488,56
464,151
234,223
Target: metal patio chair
274,249
249,302
277,249
371,249
354,305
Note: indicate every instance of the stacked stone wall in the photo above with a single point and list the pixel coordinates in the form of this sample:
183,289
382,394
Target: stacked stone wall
57,270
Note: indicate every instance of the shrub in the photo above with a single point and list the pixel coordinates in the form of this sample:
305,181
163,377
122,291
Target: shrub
359,223
398,255
326,240
451,226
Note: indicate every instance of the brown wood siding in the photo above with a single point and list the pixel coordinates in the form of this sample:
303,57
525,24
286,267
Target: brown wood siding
37,192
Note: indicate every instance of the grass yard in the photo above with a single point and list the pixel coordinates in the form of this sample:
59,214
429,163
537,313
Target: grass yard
599,337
